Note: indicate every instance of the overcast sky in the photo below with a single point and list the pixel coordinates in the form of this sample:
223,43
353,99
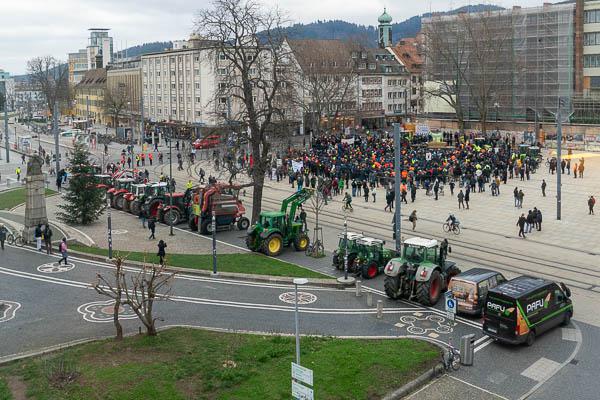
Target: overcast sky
30,28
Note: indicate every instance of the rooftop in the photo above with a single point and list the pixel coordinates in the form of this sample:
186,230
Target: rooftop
421,242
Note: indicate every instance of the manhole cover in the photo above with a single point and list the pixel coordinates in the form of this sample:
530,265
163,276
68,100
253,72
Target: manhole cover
303,298
55,268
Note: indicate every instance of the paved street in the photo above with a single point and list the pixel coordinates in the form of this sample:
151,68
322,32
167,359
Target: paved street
560,363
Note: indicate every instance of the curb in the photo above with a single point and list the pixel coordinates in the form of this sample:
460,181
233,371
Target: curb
411,386
231,275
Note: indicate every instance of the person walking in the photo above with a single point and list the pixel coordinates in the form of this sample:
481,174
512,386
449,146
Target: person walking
543,187
366,192
3,232
520,199
152,227
538,219
591,204
143,216
18,172
436,188
461,199
413,218
516,196
161,251
374,193
581,168
388,201
413,192
37,234
48,239
467,196
575,171
62,247
403,193
521,224
452,184
530,221
303,218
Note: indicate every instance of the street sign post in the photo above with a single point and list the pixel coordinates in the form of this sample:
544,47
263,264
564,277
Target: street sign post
302,374
450,306
301,392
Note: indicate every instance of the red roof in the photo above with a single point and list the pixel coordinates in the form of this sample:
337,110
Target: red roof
407,50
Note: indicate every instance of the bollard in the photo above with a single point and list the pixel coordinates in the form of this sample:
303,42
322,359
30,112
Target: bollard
379,309
369,299
358,288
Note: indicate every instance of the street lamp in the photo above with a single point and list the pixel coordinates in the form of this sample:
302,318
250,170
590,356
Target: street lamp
496,106
170,178
298,281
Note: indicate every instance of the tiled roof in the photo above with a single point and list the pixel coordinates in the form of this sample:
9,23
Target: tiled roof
407,50
93,77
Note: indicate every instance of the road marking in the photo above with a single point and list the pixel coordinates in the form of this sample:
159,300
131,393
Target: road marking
55,268
9,310
102,311
483,345
572,335
541,370
477,387
303,297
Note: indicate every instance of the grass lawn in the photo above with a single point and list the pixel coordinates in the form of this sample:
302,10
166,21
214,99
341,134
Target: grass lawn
186,363
13,197
247,263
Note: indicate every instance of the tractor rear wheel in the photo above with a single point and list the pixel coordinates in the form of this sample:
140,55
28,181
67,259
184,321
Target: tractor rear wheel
301,242
428,293
172,216
337,262
119,202
369,270
251,242
206,227
135,207
392,287
273,245
243,224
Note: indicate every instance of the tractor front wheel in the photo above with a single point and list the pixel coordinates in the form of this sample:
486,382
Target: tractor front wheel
243,224
172,216
206,227
428,293
301,242
273,245
251,242
369,270
119,202
392,287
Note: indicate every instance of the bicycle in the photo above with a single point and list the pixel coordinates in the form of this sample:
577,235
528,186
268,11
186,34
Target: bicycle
315,249
454,228
15,239
450,361
347,207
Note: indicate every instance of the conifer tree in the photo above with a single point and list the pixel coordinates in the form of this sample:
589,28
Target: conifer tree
84,202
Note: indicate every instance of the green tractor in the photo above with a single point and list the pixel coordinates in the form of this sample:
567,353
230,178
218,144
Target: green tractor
276,229
340,252
421,273
372,257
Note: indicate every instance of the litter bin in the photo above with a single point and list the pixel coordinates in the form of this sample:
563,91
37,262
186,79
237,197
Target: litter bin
467,349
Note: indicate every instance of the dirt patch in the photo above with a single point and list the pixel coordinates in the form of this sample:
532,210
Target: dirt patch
119,356
17,387
190,387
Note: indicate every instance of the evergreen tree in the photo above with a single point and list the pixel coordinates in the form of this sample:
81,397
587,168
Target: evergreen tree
84,202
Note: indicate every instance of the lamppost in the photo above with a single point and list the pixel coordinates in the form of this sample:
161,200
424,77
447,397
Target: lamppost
345,249
496,106
171,178
298,281
397,148
109,227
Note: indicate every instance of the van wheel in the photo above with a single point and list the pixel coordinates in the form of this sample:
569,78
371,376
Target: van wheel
530,338
567,319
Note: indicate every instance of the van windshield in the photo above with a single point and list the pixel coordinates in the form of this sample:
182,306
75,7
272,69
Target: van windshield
500,307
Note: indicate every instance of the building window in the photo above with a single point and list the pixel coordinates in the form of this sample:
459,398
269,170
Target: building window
221,56
198,100
222,71
173,86
362,65
197,85
591,39
197,59
592,17
198,113
591,61
372,66
222,100
196,72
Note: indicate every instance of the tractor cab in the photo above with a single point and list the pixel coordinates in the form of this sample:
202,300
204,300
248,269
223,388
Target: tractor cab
372,257
351,237
419,250
156,189
370,247
138,189
272,219
104,181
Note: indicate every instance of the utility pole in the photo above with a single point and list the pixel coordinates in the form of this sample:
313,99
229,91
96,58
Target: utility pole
55,128
6,131
558,160
397,148
171,179
142,126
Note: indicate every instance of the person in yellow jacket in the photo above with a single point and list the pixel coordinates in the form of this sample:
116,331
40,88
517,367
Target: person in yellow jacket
189,184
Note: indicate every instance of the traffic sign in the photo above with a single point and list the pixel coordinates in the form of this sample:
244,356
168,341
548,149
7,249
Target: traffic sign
301,392
450,306
302,374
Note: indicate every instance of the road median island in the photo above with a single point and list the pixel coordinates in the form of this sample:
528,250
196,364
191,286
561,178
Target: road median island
192,363
244,266
12,198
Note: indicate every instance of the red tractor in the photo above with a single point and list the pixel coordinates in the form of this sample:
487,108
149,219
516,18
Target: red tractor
116,193
223,200
141,193
155,198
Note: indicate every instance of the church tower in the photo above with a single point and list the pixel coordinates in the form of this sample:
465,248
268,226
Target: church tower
385,30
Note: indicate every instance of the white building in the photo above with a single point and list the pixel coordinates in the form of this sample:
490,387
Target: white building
591,47
9,86
28,99
97,54
179,85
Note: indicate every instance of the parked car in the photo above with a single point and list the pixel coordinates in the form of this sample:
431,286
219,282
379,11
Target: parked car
523,308
207,142
470,288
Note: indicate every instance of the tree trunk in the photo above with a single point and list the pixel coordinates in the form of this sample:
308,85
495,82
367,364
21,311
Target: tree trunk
258,177
118,326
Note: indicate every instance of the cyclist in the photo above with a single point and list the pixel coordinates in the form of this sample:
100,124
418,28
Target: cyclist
347,201
453,222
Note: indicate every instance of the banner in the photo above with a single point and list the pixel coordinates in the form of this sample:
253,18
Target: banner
422,130
348,141
297,165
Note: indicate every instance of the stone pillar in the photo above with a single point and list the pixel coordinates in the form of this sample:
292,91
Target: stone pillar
35,206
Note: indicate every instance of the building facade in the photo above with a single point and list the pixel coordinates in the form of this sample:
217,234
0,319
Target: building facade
97,54
409,52
89,96
8,84
530,67
591,47
29,99
179,85
78,66
124,78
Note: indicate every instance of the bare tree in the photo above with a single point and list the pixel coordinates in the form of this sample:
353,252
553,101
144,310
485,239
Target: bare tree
316,204
253,89
114,291
52,77
115,101
140,291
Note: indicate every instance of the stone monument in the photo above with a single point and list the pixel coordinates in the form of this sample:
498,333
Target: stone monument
35,206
